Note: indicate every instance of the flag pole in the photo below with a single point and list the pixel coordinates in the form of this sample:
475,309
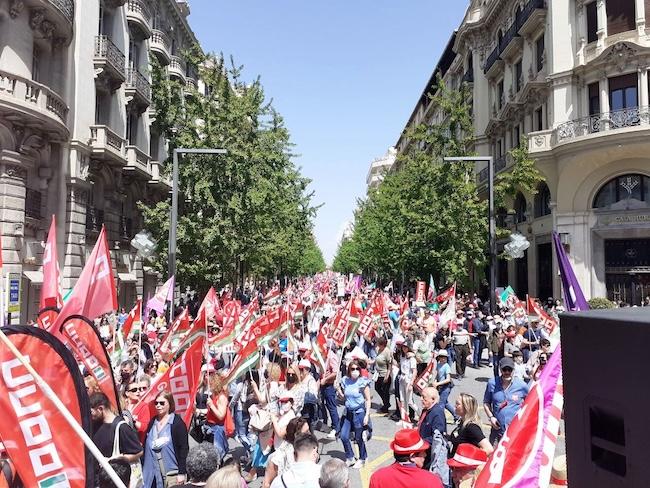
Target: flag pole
63,409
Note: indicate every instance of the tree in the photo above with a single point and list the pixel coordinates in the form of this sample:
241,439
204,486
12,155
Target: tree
246,212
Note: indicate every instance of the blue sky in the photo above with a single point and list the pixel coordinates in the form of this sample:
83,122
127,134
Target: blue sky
345,75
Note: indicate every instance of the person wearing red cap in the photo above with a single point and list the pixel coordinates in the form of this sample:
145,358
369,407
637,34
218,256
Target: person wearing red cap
467,459
410,451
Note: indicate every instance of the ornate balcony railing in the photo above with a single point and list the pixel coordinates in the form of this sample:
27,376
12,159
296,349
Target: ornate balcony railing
528,10
94,219
177,66
33,200
491,59
618,119
138,7
191,83
510,34
66,7
34,95
500,163
137,81
104,48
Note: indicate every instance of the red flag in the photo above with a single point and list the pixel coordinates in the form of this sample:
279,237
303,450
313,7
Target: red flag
94,294
272,294
135,315
208,309
50,290
446,295
548,322
404,305
85,342
181,379
420,293
263,326
339,328
422,381
41,444
177,329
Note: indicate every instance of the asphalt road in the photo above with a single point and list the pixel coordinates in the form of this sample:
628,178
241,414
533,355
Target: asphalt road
379,453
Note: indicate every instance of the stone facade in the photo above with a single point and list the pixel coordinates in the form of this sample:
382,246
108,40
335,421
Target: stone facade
76,135
379,167
572,76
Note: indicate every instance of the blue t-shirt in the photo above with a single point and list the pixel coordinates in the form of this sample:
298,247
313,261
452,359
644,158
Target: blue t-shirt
353,391
443,371
505,403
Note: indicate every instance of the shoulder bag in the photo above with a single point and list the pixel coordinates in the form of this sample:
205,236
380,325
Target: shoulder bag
136,467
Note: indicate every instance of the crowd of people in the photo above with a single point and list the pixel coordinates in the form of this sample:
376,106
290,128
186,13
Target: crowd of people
413,362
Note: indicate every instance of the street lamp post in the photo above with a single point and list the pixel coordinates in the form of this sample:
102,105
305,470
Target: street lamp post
492,228
174,211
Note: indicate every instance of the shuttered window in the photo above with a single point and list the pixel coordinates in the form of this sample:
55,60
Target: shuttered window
620,16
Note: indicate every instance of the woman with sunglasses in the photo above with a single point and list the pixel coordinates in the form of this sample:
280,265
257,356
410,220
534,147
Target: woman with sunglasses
356,392
165,446
131,397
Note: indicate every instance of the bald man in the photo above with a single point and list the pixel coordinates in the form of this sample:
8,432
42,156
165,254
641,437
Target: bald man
431,419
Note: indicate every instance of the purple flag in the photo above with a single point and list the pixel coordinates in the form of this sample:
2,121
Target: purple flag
571,291
164,294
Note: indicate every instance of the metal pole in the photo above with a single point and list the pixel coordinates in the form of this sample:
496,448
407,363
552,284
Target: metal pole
492,243
172,227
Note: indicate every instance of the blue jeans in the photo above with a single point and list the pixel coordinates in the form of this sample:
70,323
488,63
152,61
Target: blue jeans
328,394
220,440
444,400
353,424
241,428
476,343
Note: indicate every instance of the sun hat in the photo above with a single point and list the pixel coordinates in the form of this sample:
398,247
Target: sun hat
467,456
442,352
304,363
558,473
399,340
408,441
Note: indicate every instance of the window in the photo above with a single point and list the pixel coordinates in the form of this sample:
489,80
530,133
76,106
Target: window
500,94
132,129
515,137
36,63
594,98
102,108
134,52
542,200
499,148
623,92
539,119
520,208
592,22
539,52
623,188
620,16
518,76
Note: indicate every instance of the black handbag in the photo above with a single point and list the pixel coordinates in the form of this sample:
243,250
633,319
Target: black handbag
196,429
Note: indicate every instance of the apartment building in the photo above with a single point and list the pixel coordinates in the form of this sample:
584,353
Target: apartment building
76,135
571,76
379,167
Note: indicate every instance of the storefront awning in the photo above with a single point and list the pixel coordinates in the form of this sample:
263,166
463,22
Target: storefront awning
36,277
127,277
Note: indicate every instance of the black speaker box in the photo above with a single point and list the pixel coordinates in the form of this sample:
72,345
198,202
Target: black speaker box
606,374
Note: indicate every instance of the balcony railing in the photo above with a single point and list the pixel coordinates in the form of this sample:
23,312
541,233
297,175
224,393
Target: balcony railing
139,8
34,95
491,59
137,81
191,83
500,163
33,200
66,7
94,219
510,34
105,49
618,119
528,10
126,228
177,67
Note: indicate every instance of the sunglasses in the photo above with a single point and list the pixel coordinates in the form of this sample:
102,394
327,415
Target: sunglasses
506,369
161,403
354,369
137,388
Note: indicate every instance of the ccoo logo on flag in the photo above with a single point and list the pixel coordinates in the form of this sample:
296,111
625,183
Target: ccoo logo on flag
58,481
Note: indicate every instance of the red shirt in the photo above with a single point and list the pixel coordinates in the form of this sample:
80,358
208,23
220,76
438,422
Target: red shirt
399,476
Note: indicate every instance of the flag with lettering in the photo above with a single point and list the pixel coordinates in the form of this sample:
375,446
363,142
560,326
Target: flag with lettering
95,293
523,458
420,293
339,329
427,377
50,300
42,446
548,322
181,380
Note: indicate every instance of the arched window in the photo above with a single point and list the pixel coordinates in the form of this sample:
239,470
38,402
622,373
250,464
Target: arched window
520,208
630,190
542,200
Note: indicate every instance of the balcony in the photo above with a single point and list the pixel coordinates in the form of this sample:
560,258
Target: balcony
191,84
138,162
532,17
177,68
161,46
30,103
57,19
94,219
107,145
627,121
500,164
138,14
511,43
138,89
158,179
494,64
33,201
109,62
